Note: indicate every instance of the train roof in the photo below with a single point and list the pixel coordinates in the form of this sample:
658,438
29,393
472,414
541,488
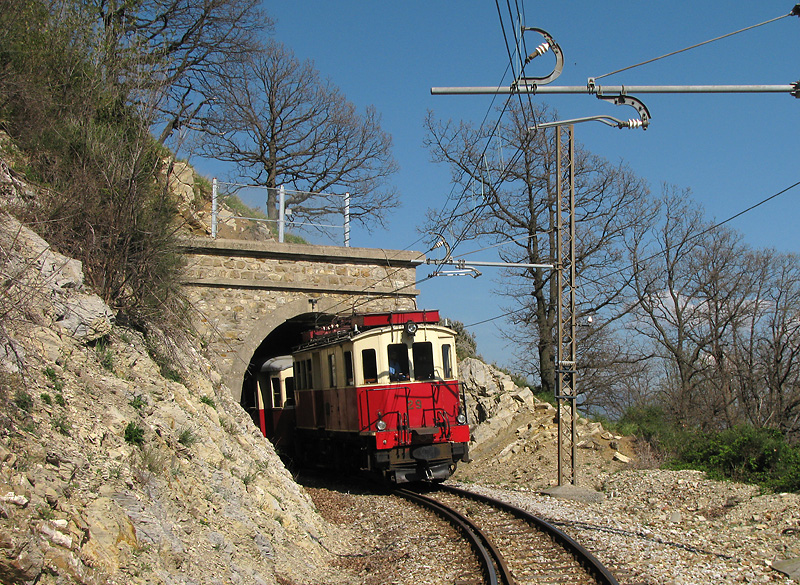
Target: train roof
346,327
277,363
369,320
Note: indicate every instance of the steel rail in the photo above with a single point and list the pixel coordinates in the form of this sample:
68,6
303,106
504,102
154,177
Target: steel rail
489,555
589,561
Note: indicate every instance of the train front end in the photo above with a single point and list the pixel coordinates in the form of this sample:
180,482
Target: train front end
414,412
393,404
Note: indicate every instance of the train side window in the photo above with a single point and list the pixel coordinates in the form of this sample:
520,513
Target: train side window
296,372
309,381
289,383
369,365
422,354
398,362
316,367
447,363
332,369
276,392
348,368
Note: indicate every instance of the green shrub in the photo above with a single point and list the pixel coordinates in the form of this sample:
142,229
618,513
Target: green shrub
104,354
651,424
163,362
153,460
137,402
745,454
209,401
50,374
23,400
134,434
46,398
187,438
62,425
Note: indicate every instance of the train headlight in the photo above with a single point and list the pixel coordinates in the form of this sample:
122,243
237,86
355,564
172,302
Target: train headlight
381,425
461,418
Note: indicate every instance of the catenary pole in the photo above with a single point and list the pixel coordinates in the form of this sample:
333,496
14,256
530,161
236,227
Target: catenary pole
566,350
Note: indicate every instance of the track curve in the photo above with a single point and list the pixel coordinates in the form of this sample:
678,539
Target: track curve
525,549
493,564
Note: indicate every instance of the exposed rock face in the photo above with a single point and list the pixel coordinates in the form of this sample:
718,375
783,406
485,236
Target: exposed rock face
48,288
110,473
514,433
180,181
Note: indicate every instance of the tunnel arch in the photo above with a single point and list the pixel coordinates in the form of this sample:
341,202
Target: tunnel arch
278,343
293,312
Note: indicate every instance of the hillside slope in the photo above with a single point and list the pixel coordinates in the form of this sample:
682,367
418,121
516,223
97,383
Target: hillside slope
111,472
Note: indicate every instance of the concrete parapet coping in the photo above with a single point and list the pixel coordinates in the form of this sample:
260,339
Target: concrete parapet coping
234,283
272,249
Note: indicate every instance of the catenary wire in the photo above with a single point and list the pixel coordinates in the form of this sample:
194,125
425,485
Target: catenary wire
505,242
508,48
793,13
709,229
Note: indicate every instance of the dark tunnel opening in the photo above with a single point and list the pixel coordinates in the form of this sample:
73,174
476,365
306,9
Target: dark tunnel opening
279,342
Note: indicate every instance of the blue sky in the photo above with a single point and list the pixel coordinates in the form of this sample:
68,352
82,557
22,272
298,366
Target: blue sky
730,150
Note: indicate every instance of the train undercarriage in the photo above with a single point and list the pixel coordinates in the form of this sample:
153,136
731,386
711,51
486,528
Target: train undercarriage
350,453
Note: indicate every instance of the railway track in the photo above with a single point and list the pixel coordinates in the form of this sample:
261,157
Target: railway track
513,546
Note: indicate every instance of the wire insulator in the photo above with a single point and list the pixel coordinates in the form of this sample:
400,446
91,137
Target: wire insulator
538,52
632,123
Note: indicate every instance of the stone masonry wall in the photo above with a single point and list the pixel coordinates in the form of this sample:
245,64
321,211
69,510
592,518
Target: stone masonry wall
240,291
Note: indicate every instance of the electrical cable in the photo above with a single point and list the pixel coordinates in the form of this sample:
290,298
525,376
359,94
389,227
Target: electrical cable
707,230
508,48
793,13
506,242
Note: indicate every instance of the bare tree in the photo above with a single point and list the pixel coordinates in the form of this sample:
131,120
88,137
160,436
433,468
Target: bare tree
282,124
692,282
512,200
159,54
668,299
765,349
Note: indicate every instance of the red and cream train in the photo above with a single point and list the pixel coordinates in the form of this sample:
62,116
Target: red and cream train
376,392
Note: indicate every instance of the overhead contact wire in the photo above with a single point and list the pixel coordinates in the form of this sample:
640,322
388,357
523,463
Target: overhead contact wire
795,12
653,256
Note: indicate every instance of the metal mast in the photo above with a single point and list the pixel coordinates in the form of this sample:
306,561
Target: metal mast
566,354
566,350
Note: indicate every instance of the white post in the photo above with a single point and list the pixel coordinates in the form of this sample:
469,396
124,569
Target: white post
214,210
347,220
281,213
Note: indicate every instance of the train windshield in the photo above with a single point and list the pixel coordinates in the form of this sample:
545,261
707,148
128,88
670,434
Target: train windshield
423,360
398,362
